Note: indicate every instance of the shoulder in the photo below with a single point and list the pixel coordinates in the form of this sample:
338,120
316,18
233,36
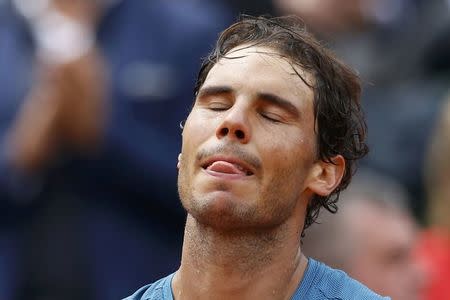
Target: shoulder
323,282
159,290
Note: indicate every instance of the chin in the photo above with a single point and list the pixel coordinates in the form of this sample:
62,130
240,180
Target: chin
222,211
225,213
226,208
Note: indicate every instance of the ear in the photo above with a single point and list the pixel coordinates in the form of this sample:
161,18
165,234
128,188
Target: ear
326,176
179,161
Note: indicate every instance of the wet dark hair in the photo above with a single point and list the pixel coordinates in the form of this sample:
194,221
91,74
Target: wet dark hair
340,124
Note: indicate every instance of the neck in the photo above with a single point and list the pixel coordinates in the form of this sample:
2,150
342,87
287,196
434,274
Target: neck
266,264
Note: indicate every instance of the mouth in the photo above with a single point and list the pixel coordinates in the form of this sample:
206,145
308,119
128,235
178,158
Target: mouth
223,165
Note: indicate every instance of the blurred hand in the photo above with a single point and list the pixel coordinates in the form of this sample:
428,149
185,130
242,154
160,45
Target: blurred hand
66,107
83,11
81,88
33,137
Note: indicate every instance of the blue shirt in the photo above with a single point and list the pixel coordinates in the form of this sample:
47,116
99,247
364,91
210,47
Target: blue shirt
319,282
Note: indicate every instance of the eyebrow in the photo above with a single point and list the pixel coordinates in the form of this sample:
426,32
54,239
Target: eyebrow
266,97
214,91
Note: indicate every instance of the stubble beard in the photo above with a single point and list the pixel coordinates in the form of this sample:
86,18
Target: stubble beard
266,214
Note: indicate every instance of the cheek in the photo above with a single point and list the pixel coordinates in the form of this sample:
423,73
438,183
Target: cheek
290,150
197,128
195,133
289,160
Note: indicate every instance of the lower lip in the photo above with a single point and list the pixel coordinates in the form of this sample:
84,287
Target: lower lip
226,175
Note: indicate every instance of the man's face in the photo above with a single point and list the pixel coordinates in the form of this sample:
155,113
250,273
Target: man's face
248,143
384,262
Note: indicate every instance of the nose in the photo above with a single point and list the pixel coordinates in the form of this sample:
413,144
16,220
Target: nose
235,126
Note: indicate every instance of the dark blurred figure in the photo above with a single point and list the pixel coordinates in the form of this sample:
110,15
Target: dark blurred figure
251,7
387,42
436,60
372,238
91,97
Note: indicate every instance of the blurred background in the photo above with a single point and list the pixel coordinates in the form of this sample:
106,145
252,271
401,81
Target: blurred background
91,97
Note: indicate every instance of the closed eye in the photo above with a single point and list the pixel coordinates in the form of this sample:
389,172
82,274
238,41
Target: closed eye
218,106
271,117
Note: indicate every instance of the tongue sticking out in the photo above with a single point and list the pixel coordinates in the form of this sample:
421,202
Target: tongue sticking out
226,167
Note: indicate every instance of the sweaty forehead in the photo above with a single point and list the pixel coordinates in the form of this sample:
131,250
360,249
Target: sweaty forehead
262,67
269,57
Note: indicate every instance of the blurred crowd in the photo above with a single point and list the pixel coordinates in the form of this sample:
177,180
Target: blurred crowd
92,94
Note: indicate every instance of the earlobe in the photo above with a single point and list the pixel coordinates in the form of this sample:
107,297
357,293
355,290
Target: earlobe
326,176
179,161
